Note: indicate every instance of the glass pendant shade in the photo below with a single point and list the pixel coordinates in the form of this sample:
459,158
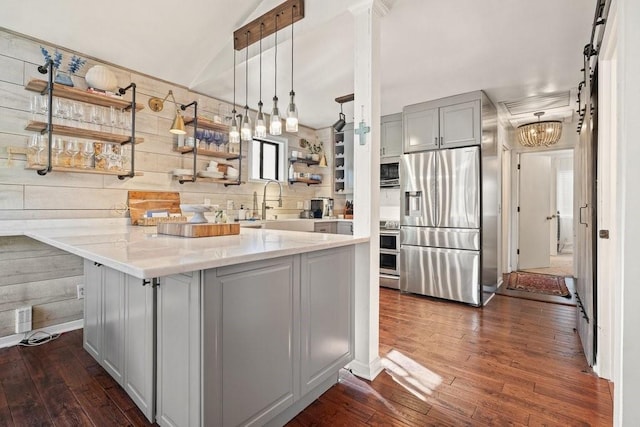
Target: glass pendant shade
261,124
246,133
275,125
292,114
234,131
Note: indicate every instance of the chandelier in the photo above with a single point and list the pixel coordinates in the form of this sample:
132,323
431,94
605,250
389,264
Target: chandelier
540,133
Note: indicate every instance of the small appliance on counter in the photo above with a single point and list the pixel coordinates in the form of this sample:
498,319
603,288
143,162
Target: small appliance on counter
322,207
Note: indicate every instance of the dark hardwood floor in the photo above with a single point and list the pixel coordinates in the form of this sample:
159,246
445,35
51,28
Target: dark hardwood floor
514,362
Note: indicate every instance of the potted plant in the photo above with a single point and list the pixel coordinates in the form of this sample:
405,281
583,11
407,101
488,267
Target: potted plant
74,65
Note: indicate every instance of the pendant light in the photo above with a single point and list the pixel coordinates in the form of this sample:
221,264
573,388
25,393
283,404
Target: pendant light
275,125
234,132
246,132
292,110
261,125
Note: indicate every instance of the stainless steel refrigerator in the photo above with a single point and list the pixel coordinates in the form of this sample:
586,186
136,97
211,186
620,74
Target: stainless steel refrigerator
441,223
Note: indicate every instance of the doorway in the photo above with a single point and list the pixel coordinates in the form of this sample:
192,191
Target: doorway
545,207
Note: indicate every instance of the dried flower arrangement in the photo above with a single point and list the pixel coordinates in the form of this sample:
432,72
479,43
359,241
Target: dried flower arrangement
75,63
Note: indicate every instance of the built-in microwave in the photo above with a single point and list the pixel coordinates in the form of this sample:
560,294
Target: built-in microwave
390,174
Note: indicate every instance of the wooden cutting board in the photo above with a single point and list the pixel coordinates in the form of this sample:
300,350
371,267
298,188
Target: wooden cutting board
140,202
198,230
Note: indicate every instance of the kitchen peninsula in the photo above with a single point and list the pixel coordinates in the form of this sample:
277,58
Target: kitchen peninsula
233,330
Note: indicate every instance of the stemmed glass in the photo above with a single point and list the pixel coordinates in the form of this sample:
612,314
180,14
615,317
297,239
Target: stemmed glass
86,152
72,149
57,148
77,111
97,116
217,139
34,148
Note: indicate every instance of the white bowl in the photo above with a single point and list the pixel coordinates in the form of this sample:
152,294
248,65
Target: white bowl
210,174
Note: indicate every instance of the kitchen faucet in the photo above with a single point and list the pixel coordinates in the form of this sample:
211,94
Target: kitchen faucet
264,197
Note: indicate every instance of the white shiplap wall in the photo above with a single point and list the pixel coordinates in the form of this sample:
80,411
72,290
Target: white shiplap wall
25,194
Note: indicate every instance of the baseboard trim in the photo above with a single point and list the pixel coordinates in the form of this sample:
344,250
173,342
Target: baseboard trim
368,372
11,340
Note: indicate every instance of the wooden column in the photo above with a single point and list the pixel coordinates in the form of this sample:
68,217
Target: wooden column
366,170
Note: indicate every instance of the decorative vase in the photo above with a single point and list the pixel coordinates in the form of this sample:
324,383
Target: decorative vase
63,78
102,78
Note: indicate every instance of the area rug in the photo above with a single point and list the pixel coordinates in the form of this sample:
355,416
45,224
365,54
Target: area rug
538,283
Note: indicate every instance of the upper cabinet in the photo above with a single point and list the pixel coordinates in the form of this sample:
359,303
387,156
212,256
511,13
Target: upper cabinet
444,123
391,135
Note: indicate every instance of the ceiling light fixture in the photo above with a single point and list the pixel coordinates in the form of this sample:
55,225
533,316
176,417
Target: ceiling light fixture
342,121
157,104
540,133
245,131
234,131
261,126
292,111
275,125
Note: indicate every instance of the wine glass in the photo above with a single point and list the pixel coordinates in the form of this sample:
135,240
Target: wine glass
77,111
72,149
34,150
217,139
57,148
87,151
97,116
125,157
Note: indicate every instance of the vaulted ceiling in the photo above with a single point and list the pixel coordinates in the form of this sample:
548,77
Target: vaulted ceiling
512,49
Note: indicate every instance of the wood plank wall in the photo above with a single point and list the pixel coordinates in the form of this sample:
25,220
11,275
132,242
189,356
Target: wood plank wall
24,194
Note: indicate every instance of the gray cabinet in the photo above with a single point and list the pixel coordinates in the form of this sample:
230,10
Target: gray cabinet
178,350
327,316
119,330
391,135
251,341
325,227
444,123
345,227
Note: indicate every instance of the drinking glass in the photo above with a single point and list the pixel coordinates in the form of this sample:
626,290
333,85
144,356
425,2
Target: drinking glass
77,111
72,149
57,148
33,150
97,116
113,118
87,151
217,139
125,157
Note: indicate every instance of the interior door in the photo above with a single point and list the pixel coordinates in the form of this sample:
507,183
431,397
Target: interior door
534,223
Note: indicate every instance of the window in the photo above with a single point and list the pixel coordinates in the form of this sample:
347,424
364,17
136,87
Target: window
267,159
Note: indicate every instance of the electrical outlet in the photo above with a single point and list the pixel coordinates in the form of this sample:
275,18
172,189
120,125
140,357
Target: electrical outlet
23,319
80,291
299,205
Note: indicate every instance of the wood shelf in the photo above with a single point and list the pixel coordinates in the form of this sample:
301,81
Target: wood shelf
62,91
63,130
79,170
208,153
308,162
214,180
204,123
305,181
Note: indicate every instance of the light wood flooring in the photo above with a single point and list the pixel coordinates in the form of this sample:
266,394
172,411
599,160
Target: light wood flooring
514,362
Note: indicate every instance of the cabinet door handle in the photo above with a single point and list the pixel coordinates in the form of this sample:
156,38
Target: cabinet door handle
435,141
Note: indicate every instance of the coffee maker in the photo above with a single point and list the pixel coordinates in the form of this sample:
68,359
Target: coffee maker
322,207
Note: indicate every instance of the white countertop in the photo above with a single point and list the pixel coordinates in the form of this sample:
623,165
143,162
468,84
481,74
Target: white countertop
141,252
